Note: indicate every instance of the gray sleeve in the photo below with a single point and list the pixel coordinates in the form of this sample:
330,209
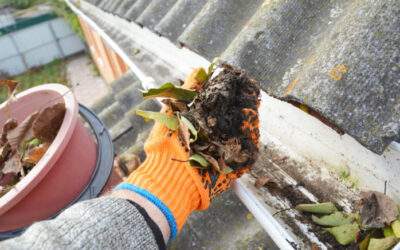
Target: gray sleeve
102,223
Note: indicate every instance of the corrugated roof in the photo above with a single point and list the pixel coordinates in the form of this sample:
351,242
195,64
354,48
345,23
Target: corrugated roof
340,58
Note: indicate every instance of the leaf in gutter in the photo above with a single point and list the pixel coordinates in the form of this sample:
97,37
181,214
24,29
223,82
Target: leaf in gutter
200,160
396,228
170,121
364,243
317,208
382,244
345,234
169,90
190,126
388,231
332,220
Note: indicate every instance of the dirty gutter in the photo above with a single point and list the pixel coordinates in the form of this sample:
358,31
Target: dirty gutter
311,142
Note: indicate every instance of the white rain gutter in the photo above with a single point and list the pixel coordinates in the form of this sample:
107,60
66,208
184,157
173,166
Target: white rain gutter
279,234
184,61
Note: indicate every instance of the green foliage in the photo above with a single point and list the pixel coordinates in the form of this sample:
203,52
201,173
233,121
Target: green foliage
335,219
170,121
53,72
169,90
345,234
199,161
62,10
317,208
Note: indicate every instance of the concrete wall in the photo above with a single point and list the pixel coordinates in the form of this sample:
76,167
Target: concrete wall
37,45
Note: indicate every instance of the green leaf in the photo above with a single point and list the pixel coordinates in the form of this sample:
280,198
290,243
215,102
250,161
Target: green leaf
388,231
335,219
227,170
170,121
196,158
190,126
201,75
396,228
33,143
213,66
317,208
382,244
345,234
169,90
364,243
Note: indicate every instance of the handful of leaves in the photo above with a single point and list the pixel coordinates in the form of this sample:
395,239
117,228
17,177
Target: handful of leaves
216,120
376,226
23,144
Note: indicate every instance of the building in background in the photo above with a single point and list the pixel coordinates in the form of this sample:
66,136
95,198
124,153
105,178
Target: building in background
33,37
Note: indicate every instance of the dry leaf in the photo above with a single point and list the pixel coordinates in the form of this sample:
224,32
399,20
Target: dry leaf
4,154
34,155
8,179
184,134
213,162
18,134
9,125
262,181
377,210
232,152
13,165
48,122
10,84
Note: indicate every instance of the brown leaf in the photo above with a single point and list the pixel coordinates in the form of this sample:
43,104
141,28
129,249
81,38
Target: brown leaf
4,154
18,134
377,210
232,152
13,165
184,134
48,122
8,179
262,181
34,155
213,162
10,84
176,105
9,125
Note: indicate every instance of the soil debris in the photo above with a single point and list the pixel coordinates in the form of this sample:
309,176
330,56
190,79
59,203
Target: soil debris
225,113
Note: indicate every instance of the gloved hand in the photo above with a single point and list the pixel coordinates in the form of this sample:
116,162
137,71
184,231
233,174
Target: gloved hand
167,175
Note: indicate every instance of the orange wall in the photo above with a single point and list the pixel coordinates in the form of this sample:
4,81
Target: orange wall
110,65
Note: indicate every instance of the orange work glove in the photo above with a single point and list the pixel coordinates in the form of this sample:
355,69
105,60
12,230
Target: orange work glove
168,180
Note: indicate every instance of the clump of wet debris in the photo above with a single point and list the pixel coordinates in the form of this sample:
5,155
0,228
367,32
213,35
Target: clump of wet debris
216,119
23,144
373,224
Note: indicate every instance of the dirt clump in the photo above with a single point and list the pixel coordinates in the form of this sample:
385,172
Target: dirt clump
225,112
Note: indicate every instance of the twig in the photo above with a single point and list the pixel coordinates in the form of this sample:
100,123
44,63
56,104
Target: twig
280,211
179,160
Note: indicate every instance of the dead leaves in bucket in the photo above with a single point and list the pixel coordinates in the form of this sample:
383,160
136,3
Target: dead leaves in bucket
23,144
374,226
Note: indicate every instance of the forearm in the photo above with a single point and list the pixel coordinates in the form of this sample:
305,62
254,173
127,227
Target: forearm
108,222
